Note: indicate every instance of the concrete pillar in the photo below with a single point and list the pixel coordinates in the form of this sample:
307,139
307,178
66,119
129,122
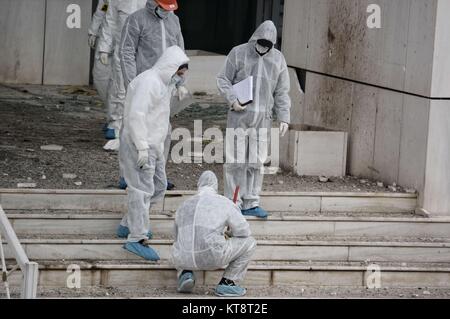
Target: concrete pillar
379,85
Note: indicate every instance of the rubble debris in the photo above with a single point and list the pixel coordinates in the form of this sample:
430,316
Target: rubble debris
323,179
52,147
26,185
392,188
79,90
69,176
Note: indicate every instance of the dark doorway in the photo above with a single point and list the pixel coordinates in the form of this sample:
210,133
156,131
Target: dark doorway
218,25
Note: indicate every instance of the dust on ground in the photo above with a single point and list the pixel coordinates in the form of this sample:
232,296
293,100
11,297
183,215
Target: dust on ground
72,117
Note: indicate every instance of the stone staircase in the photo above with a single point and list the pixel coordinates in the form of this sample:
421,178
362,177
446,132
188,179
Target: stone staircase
310,239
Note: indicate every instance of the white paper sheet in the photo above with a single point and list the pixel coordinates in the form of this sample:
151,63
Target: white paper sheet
244,91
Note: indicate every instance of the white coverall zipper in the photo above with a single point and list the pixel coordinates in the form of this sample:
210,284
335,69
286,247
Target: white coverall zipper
258,88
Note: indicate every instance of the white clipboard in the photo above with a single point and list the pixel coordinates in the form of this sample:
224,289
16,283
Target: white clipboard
244,91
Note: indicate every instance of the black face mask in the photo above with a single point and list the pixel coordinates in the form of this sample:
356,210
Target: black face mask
266,44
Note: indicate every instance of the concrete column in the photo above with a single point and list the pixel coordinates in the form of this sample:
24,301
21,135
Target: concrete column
379,85
22,24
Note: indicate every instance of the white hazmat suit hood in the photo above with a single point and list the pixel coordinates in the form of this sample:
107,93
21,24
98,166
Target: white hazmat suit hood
208,182
266,31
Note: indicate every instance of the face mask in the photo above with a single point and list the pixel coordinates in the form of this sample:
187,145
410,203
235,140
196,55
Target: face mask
263,46
176,80
161,13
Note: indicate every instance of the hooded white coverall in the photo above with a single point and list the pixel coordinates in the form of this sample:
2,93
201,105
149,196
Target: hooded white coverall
200,243
118,12
100,72
270,93
145,37
146,121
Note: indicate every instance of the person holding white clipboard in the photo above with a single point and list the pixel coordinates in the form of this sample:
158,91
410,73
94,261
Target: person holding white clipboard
255,83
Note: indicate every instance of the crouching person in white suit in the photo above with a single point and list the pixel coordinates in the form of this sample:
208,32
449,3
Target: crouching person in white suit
200,242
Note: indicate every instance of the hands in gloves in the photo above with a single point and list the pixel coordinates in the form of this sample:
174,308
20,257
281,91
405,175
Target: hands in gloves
183,93
142,158
237,107
92,40
104,58
284,127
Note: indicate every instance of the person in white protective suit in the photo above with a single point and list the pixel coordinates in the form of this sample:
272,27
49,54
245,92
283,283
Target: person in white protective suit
100,72
147,33
118,12
200,242
146,121
253,122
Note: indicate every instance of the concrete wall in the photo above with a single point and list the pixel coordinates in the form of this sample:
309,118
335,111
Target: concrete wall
38,47
67,55
203,70
332,37
22,40
441,62
437,175
379,85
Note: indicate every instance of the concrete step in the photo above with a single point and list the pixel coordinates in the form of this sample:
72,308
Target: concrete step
278,224
115,201
276,249
138,275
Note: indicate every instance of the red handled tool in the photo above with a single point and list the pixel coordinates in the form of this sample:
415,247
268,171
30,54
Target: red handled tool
236,194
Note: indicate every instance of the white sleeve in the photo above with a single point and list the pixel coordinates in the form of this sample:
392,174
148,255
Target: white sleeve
106,43
238,224
97,18
139,101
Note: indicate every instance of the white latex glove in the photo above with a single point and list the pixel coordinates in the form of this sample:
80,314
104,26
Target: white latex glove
142,158
92,40
237,107
183,93
284,128
104,58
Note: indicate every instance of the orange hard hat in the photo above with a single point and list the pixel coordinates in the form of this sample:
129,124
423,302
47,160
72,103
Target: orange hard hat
169,5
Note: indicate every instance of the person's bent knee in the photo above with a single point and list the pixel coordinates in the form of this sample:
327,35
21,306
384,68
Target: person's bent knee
252,244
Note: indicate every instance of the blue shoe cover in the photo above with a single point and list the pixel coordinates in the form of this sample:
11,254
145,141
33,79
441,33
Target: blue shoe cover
122,183
123,232
256,212
186,283
142,250
170,186
230,291
110,134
